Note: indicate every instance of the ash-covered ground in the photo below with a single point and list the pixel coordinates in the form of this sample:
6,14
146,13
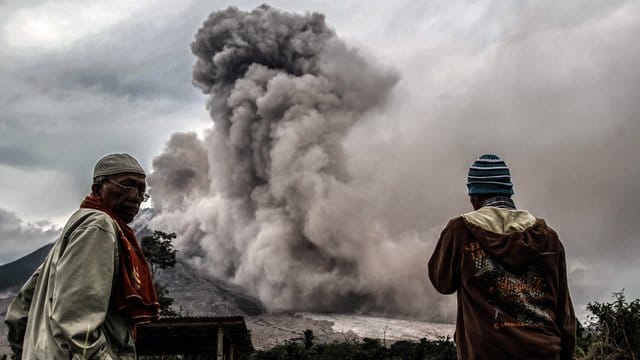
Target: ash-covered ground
272,329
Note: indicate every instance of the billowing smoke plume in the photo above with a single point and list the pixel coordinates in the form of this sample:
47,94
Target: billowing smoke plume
278,214
336,203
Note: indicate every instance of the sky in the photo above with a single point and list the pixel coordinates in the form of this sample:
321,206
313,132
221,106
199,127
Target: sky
551,87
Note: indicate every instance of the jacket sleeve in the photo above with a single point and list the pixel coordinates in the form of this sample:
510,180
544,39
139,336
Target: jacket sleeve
564,314
18,312
444,265
82,290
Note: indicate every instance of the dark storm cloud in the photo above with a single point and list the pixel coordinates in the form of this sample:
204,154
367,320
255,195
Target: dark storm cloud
18,157
118,65
18,238
113,90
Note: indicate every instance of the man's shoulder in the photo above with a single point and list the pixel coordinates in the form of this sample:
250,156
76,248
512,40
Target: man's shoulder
84,218
455,223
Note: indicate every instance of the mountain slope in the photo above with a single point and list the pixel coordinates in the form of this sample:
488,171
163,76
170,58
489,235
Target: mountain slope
197,295
14,274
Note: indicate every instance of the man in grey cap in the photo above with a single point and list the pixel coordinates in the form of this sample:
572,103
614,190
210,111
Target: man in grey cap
94,286
509,271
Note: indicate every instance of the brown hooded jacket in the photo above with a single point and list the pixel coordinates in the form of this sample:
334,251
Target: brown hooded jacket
509,271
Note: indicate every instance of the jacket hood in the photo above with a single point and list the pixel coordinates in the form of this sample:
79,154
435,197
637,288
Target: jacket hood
513,237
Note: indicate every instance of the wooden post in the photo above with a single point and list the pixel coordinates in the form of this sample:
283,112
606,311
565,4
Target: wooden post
220,355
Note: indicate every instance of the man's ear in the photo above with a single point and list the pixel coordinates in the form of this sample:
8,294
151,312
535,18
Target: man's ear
96,189
475,201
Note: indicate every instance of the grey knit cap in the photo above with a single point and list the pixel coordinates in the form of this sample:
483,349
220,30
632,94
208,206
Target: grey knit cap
117,164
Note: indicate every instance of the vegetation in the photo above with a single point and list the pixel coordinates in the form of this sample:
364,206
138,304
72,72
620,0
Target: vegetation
366,349
178,357
159,251
613,332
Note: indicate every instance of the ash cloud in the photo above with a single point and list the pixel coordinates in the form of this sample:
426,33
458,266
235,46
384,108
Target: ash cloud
181,172
557,102
329,180
280,216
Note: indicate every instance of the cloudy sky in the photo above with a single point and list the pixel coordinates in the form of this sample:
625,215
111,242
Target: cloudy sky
551,86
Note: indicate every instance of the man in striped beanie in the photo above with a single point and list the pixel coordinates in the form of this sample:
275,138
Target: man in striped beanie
508,269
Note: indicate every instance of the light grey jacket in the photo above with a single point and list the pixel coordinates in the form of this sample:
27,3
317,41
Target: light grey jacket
64,311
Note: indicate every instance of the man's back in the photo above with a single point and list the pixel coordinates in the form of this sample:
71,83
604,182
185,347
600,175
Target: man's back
81,266
509,271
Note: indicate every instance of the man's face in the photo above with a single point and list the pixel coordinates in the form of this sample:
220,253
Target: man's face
119,195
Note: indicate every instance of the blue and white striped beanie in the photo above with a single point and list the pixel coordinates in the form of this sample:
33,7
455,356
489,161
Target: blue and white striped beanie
489,175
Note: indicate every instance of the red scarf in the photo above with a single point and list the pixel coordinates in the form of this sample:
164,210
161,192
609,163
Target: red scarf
133,293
